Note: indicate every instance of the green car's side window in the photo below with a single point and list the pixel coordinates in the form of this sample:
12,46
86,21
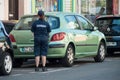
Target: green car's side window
84,23
53,22
72,22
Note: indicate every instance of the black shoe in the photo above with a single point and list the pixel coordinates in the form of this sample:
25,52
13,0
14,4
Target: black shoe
44,69
36,69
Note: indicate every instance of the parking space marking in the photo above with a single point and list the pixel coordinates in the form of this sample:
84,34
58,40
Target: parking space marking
50,71
56,70
17,75
40,72
23,70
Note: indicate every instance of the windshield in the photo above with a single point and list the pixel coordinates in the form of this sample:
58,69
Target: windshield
26,22
109,26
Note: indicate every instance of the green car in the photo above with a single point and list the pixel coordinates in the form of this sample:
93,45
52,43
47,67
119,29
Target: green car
72,37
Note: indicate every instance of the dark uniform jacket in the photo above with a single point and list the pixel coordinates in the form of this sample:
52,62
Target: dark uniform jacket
40,28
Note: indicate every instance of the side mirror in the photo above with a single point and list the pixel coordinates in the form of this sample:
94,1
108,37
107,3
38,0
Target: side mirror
95,28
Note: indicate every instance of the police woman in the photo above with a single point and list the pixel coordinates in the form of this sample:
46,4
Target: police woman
41,30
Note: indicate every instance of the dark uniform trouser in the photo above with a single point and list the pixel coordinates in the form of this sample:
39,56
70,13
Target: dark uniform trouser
41,46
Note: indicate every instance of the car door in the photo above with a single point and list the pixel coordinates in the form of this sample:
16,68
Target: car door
79,36
90,33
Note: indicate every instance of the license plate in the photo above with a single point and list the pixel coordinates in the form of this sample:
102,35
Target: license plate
111,43
26,49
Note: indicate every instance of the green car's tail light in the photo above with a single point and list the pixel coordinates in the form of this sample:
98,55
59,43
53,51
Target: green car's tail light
12,38
58,36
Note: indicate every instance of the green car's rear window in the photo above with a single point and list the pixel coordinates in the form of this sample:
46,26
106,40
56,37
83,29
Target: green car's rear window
26,22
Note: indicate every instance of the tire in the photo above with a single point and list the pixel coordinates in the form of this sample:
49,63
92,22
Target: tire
101,53
18,62
68,60
6,67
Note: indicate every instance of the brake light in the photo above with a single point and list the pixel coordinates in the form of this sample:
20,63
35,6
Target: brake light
12,38
58,36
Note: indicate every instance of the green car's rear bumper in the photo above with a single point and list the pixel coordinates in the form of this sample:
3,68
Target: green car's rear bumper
54,51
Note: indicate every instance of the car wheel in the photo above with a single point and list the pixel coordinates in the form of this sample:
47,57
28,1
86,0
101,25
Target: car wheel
69,57
101,53
18,62
6,67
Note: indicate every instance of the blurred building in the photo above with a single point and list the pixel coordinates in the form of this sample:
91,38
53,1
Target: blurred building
14,9
4,9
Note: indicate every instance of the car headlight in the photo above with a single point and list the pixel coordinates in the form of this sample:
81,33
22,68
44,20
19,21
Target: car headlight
3,45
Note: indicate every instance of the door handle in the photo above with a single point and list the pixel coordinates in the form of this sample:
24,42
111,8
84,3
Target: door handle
31,39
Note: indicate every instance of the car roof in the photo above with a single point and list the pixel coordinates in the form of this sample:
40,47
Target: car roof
108,16
57,14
